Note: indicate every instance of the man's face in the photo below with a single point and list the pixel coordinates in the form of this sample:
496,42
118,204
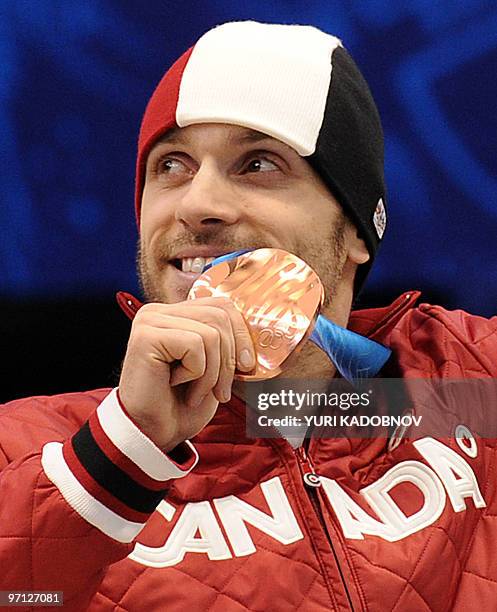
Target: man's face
216,188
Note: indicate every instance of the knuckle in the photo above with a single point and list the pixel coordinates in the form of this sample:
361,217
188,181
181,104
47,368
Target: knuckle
139,317
230,363
242,333
139,333
147,308
210,378
213,335
199,369
223,304
237,316
222,317
197,342
227,305
220,299
145,316
216,316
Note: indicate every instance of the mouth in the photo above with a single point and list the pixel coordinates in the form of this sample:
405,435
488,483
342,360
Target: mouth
183,272
192,265
188,264
192,260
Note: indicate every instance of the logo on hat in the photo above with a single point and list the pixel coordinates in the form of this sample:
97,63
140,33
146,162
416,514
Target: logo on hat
380,218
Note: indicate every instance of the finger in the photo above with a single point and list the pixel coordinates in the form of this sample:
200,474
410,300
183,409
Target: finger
195,345
213,316
185,347
218,318
227,368
245,356
207,382
244,347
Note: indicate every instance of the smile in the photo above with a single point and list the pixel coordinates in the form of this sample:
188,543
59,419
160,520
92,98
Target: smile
191,264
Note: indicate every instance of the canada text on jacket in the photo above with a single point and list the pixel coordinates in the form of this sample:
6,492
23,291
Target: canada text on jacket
447,474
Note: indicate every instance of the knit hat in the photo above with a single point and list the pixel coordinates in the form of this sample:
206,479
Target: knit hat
294,83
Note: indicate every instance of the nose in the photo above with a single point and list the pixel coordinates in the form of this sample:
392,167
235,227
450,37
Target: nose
208,201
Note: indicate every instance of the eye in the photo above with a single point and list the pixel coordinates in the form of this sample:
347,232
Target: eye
170,165
260,164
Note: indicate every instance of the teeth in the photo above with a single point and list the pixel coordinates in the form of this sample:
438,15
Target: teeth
195,264
186,264
198,265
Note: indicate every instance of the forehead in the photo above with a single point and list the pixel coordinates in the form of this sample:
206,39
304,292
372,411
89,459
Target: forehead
230,135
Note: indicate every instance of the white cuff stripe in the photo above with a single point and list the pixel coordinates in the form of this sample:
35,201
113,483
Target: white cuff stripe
81,501
133,443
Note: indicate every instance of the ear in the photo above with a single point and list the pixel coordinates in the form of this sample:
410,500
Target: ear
356,247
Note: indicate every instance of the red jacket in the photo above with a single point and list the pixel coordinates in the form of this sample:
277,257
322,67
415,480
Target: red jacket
408,527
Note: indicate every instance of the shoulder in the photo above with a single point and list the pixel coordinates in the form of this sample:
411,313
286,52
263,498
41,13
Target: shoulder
73,406
27,423
462,324
454,340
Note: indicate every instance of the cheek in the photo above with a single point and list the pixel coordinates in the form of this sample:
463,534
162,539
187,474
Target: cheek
310,226
282,225
312,210
278,214
157,212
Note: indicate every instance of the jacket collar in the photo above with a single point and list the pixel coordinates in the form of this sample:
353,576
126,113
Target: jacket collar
377,322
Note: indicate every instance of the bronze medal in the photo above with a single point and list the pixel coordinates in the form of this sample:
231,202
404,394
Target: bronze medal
279,296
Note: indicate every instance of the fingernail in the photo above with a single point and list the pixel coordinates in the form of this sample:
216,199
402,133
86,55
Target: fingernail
226,395
245,358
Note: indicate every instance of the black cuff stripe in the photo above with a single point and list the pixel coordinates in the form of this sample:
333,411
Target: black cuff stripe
111,477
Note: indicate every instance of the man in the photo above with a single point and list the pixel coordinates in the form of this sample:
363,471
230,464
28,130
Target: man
151,496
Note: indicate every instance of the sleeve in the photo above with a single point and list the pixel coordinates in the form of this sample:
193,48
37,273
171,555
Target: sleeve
72,509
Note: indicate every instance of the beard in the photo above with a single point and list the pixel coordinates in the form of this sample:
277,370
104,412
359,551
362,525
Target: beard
326,256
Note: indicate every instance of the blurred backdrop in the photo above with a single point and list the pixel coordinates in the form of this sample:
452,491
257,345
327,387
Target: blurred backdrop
76,75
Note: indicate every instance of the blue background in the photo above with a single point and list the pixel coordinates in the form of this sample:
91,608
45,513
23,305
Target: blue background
76,78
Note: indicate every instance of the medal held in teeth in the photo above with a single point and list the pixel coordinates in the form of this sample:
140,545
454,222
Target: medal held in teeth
279,296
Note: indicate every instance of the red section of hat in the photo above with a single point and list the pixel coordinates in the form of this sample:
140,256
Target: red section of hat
160,115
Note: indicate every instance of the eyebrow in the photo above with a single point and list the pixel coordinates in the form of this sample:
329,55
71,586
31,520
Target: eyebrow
170,135
177,135
250,136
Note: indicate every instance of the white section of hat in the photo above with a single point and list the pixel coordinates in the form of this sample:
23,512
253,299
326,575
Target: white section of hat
268,77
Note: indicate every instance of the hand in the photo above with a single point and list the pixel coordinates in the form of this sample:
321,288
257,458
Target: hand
180,363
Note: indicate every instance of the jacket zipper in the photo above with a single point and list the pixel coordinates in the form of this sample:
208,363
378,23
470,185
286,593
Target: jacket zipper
312,483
